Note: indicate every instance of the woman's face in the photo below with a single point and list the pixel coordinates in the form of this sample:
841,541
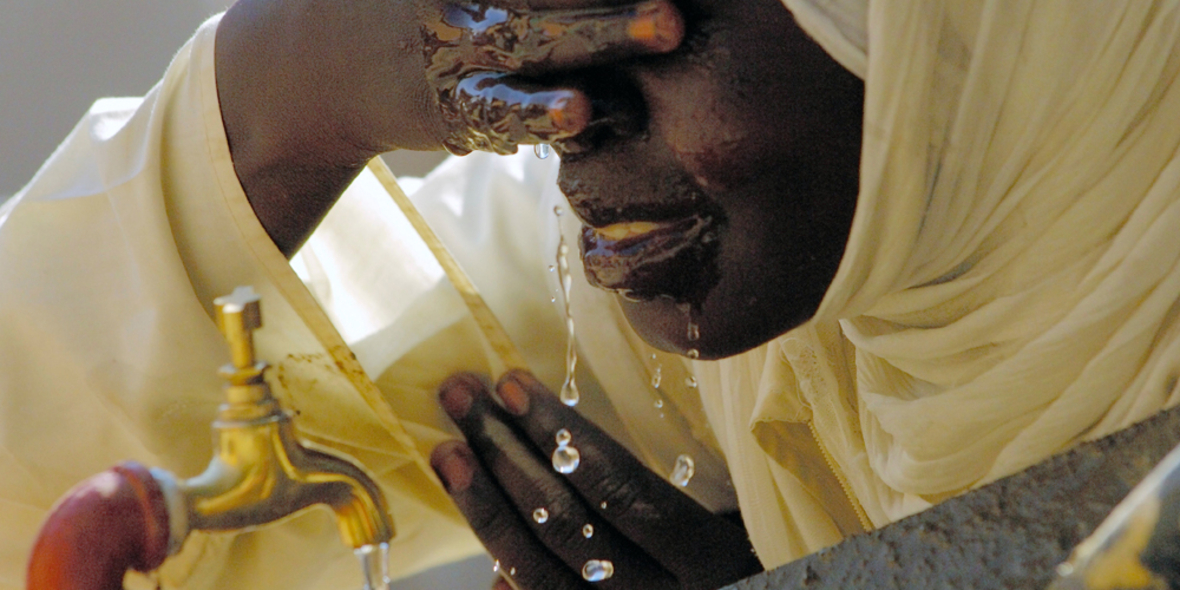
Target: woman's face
718,190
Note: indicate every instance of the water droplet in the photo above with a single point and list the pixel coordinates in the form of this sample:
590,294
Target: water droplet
566,459
569,390
694,353
694,332
691,382
653,356
512,572
602,506
1064,569
657,377
557,210
541,516
496,566
659,403
552,268
563,437
588,531
597,570
683,471
542,150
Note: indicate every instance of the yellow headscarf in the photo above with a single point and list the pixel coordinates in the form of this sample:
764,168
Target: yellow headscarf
1012,279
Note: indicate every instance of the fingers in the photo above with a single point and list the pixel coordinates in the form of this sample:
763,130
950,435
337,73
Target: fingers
493,112
476,58
637,502
495,522
545,504
536,41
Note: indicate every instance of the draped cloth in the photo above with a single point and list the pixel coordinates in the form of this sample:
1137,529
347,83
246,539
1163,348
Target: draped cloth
1010,286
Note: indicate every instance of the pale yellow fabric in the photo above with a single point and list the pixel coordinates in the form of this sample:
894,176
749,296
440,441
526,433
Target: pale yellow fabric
110,259
1011,283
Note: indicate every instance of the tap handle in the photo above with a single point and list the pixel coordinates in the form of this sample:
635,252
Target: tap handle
238,315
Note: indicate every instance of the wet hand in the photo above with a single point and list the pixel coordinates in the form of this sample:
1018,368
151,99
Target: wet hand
604,521
310,90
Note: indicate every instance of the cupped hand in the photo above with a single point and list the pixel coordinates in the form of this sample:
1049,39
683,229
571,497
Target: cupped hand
552,531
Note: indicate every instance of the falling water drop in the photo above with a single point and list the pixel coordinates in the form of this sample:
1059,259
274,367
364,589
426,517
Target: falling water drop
597,570
694,331
569,390
694,353
659,404
374,565
566,459
691,382
657,377
541,516
563,437
683,471
588,531
542,150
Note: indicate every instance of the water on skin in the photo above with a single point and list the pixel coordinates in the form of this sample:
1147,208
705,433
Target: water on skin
657,377
542,150
588,531
569,390
566,459
541,516
597,570
374,566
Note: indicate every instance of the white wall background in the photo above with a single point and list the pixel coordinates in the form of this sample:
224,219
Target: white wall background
58,56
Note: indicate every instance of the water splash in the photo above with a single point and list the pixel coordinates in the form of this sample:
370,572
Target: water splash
683,471
597,570
542,150
374,565
569,390
541,516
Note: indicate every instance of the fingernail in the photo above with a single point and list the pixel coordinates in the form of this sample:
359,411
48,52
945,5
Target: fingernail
516,400
456,396
451,464
658,27
570,112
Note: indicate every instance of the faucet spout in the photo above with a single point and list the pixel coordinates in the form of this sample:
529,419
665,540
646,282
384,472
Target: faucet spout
261,473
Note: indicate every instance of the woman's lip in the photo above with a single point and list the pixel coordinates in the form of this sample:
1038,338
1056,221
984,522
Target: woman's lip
644,260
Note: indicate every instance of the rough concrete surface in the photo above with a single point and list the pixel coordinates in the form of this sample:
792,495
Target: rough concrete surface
1009,534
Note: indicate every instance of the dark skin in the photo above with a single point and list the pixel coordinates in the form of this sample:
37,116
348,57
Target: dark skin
718,113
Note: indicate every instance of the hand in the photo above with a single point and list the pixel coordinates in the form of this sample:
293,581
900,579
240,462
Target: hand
610,508
310,90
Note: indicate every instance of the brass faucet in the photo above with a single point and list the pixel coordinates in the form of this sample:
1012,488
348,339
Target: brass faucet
260,471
